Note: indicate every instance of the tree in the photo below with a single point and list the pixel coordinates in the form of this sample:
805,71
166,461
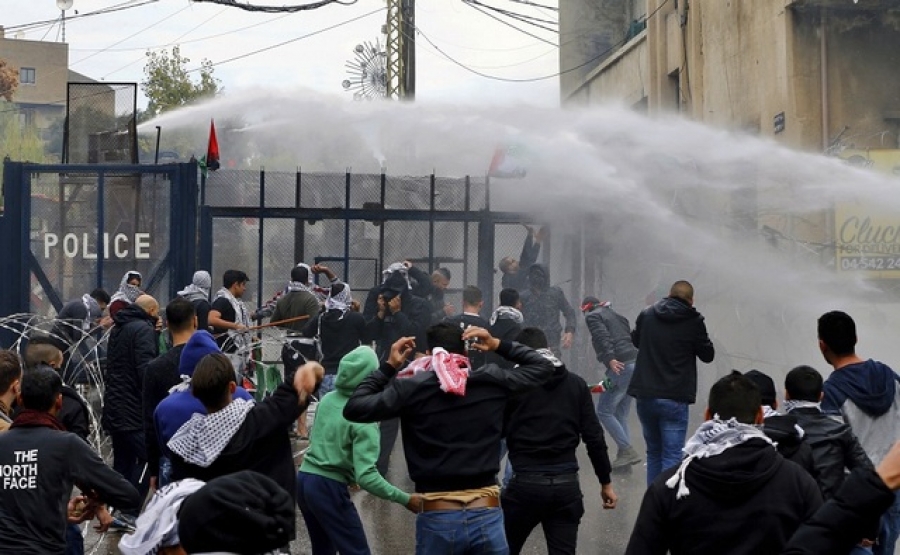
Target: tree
9,80
167,83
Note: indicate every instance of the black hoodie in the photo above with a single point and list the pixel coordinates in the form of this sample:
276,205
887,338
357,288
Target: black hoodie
132,345
670,337
542,303
746,501
544,427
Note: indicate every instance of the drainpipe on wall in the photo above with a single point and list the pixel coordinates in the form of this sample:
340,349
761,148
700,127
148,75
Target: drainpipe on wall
823,60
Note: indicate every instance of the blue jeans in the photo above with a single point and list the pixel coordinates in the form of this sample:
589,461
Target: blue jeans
331,518
165,472
614,405
74,540
664,422
327,385
466,532
890,529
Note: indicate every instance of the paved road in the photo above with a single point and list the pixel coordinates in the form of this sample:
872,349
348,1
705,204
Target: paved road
391,528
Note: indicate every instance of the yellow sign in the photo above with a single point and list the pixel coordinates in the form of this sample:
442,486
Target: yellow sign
867,236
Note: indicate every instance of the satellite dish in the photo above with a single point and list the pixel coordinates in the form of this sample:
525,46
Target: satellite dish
64,4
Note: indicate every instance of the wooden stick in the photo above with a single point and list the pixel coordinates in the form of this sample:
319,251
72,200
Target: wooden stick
269,325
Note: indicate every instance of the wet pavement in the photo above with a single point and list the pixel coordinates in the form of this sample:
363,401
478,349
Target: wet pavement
390,528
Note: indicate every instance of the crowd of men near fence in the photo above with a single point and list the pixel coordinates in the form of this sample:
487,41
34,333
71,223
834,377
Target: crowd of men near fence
184,424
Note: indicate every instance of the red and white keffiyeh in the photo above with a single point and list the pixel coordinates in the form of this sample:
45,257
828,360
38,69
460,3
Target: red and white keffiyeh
452,370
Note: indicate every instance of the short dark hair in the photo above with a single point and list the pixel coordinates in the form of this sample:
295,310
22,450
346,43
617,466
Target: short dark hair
41,387
735,396
180,314
101,296
838,331
509,297
337,288
766,386
444,272
683,290
210,381
10,370
233,276
40,351
803,383
446,336
533,337
472,295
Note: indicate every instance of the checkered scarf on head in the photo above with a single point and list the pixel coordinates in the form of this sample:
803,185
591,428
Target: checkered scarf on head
452,370
157,527
712,438
126,291
341,301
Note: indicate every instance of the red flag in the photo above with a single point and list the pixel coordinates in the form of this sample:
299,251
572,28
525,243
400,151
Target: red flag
212,151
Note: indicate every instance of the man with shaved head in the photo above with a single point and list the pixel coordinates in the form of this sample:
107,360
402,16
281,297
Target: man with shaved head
132,345
670,336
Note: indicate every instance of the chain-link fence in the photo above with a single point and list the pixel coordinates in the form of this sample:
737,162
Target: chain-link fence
101,123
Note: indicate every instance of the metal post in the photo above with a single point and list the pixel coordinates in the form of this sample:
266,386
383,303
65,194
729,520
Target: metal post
381,228
486,255
101,219
466,206
299,230
431,225
259,256
347,227
156,156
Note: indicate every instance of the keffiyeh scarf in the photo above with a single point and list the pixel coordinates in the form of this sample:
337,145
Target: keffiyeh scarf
202,439
507,313
790,404
341,301
452,370
241,339
712,438
126,291
93,311
157,527
199,287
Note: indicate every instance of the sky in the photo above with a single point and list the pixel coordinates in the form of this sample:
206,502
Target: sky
112,46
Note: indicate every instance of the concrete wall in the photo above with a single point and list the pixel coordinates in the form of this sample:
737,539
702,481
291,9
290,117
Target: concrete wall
594,29
51,63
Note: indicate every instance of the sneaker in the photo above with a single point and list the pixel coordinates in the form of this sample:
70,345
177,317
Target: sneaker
626,457
122,523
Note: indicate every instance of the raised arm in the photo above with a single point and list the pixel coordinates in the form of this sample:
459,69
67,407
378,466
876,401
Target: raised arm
379,396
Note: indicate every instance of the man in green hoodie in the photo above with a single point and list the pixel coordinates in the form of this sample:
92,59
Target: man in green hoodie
343,453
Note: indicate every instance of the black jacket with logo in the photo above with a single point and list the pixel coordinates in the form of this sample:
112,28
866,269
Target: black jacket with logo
132,345
451,442
747,500
33,511
670,337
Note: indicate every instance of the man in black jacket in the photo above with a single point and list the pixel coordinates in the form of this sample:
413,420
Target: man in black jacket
74,414
239,434
473,302
432,288
611,338
132,345
542,305
733,492
670,335
40,463
161,375
506,323
452,427
543,430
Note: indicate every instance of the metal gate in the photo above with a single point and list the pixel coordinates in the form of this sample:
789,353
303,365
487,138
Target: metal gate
264,223
71,228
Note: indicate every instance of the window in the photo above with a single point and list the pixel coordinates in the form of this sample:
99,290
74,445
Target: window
26,76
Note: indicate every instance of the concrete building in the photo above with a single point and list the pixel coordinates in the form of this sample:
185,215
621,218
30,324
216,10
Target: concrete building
43,73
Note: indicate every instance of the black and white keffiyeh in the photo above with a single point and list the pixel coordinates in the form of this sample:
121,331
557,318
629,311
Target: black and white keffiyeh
201,439
241,339
341,301
157,527
507,313
712,438
93,312
199,287
790,404
126,291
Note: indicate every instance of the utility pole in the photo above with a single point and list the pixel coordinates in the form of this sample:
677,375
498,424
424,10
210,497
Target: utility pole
400,30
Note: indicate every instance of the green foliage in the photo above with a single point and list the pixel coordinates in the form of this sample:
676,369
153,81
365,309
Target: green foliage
167,83
22,143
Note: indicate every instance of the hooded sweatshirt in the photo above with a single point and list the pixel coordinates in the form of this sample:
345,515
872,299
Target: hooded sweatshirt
173,411
542,304
867,396
346,451
748,483
670,336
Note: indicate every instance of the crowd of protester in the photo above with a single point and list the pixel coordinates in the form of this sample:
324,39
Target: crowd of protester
814,474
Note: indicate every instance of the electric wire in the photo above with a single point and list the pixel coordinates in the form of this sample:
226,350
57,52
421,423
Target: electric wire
277,9
539,6
543,77
117,8
530,19
508,24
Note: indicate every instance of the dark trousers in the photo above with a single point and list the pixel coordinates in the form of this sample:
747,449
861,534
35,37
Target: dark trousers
130,459
389,430
331,518
558,508
74,540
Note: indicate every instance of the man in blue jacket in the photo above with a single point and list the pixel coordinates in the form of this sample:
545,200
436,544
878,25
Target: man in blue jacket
670,336
865,394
